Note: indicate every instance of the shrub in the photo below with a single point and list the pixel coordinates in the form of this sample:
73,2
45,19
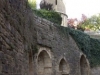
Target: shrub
45,5
32,4
49,15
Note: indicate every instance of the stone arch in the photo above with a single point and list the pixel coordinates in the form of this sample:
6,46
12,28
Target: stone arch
44,63
84,66
64,67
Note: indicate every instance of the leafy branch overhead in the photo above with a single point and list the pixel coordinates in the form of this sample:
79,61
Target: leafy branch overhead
32,4
45,5
46,11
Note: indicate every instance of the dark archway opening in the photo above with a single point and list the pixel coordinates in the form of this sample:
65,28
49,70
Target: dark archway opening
63,67
84,68
31,72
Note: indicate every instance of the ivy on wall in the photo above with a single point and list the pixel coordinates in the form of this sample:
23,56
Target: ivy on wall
95,52
89,46
82,40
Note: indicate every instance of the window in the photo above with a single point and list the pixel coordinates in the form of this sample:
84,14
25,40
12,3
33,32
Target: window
56,2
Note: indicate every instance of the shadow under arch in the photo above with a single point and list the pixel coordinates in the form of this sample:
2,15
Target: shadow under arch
31,70
64,67
84,66
44,63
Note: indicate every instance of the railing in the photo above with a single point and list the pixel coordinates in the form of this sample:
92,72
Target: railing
92,32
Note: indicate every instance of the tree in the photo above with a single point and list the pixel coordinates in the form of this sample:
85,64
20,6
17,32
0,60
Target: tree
45,5
84,17
92,23
72,23
32,3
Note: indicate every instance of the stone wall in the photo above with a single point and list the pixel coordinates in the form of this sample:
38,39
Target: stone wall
95,71
61,46
25,38
15,27
57,5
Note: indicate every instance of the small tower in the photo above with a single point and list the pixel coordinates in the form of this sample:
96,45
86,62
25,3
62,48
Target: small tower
59,6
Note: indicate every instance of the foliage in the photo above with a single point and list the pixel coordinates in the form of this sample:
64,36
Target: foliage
92,23
49,15
45,5
95,52
32,4
72,23
89,46
82,40
64,31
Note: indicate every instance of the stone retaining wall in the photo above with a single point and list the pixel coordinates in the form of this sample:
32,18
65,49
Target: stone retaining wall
23,36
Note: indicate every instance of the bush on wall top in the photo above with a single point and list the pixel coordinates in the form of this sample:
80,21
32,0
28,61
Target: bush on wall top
32,4
49,15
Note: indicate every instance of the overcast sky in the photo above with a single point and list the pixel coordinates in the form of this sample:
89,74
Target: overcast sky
74,8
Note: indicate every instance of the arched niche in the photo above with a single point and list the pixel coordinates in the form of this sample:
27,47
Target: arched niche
64,67
84,66
44,63
31,71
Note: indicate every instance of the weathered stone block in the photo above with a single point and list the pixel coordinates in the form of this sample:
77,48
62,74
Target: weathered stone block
5,68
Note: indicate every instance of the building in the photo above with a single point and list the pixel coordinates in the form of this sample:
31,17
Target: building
59,7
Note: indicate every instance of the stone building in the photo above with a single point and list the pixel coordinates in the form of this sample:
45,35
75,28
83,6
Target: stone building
59,7
30,45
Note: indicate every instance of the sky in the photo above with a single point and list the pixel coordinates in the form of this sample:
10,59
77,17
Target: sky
75,8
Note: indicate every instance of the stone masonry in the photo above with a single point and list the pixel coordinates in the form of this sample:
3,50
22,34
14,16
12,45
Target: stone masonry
30,45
